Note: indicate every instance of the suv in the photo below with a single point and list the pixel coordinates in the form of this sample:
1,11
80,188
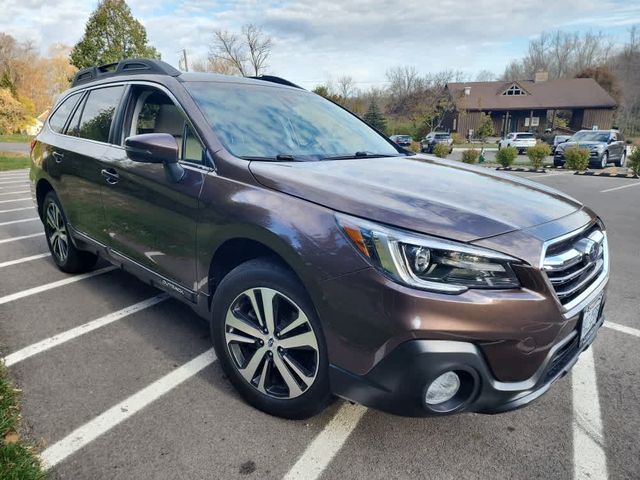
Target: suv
326,260
519,140
428,142
402,140
604,145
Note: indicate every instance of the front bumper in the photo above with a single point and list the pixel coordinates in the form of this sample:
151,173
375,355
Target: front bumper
397,385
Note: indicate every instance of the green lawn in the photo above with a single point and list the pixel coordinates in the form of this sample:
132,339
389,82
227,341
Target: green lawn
13,161
15,138
17,459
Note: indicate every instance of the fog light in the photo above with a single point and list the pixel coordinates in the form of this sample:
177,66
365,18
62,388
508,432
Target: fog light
442,388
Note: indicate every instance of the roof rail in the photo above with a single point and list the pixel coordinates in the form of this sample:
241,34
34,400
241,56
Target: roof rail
279,80
124,67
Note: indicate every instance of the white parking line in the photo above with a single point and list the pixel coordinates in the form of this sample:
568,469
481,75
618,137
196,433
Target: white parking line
622,328
16,209
49,286
24,259
620,188
14,193
63,337
15,239
327,443
123,410
24,182
589,459
22,220
15,200
543,175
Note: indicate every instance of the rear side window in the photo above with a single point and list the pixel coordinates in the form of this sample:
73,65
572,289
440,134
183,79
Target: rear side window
59,117
525,136
97,114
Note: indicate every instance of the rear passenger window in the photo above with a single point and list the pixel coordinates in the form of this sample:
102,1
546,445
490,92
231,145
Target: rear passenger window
59,117
98,112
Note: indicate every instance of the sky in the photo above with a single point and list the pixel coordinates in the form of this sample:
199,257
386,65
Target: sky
316,41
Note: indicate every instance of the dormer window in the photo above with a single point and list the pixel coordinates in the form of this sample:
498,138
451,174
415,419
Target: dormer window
514,91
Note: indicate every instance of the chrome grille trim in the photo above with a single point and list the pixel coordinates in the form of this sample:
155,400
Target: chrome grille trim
570,273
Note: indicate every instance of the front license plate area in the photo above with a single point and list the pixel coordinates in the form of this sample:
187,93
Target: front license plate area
590,317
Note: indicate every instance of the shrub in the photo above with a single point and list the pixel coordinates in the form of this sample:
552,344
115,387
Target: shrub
538,154
634,160
415,146
506,156
441,150
457,138
577,158
470,156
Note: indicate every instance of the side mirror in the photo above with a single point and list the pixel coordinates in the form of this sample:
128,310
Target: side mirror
156,148
610,141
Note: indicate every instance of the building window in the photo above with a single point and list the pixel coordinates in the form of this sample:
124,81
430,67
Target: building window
513,91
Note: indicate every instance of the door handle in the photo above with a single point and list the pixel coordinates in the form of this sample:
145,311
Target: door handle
110,175
57,156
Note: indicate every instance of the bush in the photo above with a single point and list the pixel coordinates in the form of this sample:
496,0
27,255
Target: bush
538,154
506,156
457,138
441,150
577,158
634,160
471,155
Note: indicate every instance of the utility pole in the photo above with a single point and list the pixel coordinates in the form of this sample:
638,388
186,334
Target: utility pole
184,59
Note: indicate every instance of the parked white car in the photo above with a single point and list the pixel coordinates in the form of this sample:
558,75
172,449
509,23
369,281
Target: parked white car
519,140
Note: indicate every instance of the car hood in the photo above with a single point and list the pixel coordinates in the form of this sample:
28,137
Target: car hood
581,144
420,193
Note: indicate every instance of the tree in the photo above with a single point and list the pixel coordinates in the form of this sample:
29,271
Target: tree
213,65
111,34
13,114
346,87
374,118
485,76
605,79
485,127
244,53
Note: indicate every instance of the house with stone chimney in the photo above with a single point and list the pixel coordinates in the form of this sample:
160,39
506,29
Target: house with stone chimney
529,106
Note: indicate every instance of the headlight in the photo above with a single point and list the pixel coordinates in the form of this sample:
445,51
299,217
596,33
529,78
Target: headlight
429,263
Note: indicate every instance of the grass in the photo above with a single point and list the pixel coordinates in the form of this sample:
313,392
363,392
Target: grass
15,138
475,145
17,458
13,161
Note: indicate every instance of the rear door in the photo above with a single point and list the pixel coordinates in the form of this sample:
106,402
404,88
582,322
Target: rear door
87,138
150,219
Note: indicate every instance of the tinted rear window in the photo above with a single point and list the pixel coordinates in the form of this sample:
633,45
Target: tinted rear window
59,117
442,136
98,111
525,136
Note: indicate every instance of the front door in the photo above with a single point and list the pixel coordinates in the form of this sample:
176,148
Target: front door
150,219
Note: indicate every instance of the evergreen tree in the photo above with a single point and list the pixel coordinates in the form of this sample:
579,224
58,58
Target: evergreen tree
374,118
111,34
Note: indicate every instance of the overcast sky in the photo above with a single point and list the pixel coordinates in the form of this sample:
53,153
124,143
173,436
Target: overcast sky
315,40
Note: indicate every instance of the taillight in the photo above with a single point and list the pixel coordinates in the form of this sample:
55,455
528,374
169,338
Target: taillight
32,145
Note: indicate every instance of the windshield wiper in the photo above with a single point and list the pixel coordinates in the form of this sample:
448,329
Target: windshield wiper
281,157
360,155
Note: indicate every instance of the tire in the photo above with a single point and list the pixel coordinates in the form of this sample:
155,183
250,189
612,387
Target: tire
520,151
271,350
68,258
604,160
623,160
556,163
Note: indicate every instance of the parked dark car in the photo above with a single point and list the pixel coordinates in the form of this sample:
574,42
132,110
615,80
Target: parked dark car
402,140
433,138
605,146
326,260
557,140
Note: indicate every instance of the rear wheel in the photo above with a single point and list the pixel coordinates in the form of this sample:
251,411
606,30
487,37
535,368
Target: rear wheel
623,160
269,341
67,257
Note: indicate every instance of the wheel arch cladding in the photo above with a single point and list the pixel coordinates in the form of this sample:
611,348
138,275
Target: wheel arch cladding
42,188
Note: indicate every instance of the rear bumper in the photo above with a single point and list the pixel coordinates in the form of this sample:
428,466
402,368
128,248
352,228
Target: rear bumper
397,385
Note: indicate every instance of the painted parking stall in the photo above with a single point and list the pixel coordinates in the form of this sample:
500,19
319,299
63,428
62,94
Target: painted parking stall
120,381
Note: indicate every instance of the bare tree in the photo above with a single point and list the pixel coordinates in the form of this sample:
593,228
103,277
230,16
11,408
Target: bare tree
246,53
485,76
213,65
346,86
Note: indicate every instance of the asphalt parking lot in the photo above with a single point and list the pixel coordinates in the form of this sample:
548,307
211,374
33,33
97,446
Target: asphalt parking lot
120,382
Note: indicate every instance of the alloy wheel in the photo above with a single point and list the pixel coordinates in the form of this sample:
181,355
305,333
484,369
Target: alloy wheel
57,232
605,160
272,343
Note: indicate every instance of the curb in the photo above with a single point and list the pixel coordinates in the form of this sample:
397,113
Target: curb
604,174
520,169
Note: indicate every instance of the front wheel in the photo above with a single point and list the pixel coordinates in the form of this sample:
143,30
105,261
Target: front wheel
604,160
67,257
269,340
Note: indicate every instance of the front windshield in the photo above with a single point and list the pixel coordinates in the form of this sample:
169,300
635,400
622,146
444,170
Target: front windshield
442,136
264,122
590,137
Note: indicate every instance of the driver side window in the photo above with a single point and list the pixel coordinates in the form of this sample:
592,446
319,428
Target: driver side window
154,112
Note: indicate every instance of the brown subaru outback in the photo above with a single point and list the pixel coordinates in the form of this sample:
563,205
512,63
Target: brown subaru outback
326,259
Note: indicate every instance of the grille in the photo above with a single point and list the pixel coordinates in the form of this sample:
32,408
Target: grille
562,358
573,265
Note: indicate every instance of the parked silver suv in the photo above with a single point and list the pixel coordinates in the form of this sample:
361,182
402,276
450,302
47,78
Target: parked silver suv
430,141
605,146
